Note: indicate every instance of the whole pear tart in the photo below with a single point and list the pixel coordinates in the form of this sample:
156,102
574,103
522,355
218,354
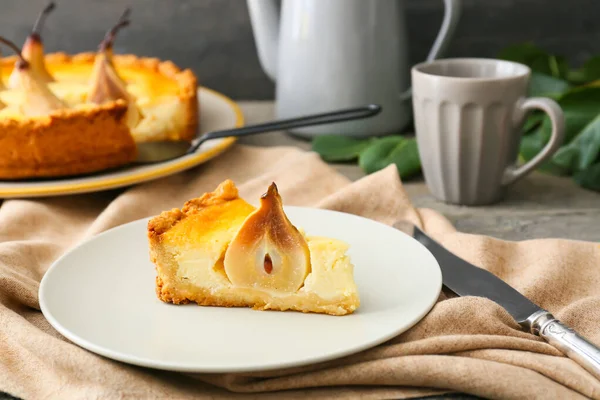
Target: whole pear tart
66,114
219,250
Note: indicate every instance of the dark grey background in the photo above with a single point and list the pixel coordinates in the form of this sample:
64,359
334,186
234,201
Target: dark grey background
214,38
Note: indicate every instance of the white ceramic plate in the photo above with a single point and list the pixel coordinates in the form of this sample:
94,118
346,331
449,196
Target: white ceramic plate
216,112
101,296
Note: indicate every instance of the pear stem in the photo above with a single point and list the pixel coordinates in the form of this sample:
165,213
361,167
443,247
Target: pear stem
109,38
39,23
271,191
21,63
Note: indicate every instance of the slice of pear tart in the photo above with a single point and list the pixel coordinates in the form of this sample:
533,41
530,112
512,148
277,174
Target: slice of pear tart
66,115
219,250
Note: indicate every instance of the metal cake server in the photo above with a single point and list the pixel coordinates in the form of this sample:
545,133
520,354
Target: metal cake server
465,279
153,152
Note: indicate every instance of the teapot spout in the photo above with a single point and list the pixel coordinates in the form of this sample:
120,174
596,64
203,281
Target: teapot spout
264,17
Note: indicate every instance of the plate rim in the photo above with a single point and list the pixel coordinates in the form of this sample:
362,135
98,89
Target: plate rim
112,183
172,366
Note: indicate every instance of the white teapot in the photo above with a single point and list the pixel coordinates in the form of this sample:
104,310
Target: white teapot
334,54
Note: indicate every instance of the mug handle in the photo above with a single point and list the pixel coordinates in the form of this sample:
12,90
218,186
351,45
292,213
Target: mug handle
452,10
557,120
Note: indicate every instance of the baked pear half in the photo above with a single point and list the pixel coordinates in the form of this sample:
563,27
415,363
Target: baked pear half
219,250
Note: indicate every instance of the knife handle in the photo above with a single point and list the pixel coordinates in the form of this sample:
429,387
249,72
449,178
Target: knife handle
567,341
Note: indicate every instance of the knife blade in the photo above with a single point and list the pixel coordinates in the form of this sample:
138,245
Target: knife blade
465,279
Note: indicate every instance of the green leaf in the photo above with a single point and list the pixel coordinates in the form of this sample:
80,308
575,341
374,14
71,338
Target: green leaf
581,94
588,73
374,157
396,150
548,86
532,145
566,158
591,69
533,121
537,59
334,148
576,77
589,178
522,52
580,106
583,150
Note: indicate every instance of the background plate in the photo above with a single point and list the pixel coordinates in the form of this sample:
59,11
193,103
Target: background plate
217,112
101,296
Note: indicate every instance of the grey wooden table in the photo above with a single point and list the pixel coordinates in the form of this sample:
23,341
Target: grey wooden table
538,206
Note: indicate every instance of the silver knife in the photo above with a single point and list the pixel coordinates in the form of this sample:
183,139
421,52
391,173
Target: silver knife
465,279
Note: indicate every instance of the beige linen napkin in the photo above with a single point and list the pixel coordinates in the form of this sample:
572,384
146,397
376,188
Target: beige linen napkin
464,344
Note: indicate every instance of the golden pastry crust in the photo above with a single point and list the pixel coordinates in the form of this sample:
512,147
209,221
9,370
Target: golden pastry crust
66,142
256,300
166,245
226,191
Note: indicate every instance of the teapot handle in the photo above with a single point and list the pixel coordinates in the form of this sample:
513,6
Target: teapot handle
451,17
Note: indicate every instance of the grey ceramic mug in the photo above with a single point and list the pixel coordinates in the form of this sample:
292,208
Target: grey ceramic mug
468,118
